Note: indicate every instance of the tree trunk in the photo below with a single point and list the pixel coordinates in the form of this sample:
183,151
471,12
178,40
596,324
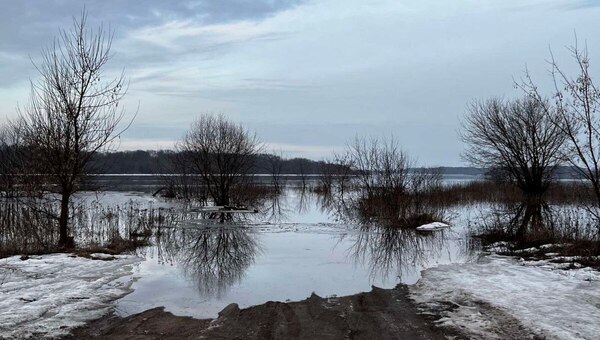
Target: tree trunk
63,222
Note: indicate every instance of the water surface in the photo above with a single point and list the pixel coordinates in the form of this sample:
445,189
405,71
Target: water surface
290,250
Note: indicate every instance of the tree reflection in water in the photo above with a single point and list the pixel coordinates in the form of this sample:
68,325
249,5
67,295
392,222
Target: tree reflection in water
214,257
386,248
305,201
393,251
274,209
527,222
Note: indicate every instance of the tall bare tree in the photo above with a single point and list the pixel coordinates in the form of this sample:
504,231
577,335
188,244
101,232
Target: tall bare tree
74,110
517,138
222,153
575,111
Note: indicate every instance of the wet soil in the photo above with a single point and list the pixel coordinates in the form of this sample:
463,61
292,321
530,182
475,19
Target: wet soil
379,314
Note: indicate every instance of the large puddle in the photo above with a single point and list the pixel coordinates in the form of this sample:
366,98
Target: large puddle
196,268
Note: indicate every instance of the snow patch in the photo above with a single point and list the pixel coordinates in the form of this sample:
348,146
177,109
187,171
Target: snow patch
548,301
46,296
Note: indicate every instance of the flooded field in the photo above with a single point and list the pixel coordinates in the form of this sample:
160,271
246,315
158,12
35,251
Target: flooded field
196,269
208,268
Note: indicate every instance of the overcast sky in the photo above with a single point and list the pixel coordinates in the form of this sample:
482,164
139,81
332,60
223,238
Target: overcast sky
308,75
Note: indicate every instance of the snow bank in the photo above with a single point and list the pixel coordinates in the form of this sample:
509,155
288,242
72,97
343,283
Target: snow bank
45,296
558,304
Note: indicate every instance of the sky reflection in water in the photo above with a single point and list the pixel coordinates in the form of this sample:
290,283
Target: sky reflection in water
286,253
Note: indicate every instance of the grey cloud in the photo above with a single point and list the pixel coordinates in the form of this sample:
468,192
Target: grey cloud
230,10
28,26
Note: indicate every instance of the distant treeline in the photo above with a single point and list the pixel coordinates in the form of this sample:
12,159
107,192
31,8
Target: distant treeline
157,162
562,172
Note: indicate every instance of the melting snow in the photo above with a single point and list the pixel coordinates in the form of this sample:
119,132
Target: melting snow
549,301
46,296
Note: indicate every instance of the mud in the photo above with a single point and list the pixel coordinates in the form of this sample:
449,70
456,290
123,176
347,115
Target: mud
379,314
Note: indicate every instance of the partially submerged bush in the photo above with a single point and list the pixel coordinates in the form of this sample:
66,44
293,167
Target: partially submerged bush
385,186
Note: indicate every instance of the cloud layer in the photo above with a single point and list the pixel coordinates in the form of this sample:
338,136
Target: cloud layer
308,75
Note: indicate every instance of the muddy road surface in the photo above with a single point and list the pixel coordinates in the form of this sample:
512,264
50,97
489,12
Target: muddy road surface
379,314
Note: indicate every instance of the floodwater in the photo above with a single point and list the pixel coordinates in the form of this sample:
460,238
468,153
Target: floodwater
292,248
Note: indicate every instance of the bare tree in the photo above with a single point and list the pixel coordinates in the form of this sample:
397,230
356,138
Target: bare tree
575,112
517,138
222,153
73,112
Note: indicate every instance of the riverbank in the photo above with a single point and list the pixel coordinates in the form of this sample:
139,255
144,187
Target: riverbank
495,297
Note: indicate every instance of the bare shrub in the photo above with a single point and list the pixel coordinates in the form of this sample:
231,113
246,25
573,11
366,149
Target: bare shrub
326,180
384,185
303,176
534,229
30,229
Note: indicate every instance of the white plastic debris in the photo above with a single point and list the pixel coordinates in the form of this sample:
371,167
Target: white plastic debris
433,226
